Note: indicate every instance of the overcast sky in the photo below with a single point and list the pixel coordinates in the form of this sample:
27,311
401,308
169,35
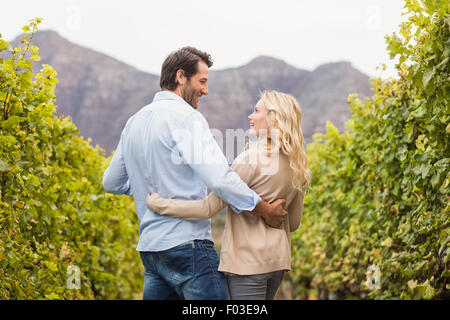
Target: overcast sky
141,33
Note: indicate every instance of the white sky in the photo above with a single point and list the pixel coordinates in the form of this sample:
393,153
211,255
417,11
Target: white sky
142,33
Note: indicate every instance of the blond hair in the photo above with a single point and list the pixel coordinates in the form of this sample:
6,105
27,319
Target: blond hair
285,115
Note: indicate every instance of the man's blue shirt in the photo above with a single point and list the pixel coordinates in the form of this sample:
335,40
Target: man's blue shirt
167,147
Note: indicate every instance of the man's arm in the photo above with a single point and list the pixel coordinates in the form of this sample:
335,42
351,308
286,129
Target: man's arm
198,148
115,178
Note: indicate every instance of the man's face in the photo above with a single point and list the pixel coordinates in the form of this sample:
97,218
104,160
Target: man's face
197,86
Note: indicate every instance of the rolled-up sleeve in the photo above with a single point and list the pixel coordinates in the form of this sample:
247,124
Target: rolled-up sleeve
197,147
115,178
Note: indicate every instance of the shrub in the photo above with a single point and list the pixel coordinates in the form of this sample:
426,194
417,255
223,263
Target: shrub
55,218
376,221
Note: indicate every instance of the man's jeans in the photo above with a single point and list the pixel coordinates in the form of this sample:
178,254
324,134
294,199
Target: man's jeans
188,271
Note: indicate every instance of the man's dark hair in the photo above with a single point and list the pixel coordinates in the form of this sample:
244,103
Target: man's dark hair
187,59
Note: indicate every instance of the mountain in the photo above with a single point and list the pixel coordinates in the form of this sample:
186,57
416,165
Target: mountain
100,93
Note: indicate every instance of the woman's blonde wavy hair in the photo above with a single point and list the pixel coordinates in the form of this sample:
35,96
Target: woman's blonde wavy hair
285,115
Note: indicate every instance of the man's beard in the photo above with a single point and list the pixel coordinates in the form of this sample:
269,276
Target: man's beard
190,95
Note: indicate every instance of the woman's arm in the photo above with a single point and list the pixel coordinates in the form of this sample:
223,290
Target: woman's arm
200,209
186,209
295,211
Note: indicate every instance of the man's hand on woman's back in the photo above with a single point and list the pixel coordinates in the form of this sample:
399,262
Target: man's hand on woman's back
272,213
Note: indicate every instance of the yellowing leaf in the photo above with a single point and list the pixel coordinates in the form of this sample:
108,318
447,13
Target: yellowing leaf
53,296
20,204
3,166
426,290
387,242
421,142
412,284
51,265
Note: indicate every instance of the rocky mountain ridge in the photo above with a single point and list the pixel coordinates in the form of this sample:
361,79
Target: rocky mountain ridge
100,93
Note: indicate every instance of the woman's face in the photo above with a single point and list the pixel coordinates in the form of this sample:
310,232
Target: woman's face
258,121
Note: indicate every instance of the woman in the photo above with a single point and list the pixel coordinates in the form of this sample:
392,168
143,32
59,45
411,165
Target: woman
255,256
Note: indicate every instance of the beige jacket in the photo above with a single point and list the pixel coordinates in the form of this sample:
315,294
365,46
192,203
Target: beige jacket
249,246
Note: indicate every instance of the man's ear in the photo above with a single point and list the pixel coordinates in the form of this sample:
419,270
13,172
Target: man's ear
180,77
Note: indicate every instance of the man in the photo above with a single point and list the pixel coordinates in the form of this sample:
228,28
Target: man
167,147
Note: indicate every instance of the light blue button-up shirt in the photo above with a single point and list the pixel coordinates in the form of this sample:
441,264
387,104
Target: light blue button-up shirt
167,147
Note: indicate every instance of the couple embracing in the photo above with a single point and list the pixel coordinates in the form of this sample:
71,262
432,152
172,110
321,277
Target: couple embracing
167,158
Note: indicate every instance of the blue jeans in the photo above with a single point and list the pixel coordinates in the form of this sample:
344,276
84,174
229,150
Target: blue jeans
186,272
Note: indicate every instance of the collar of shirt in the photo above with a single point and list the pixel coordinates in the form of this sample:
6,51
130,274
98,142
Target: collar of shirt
171,96
167,95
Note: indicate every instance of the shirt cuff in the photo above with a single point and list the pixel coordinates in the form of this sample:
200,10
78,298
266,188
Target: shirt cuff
256,199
